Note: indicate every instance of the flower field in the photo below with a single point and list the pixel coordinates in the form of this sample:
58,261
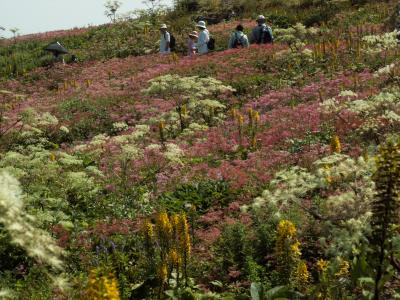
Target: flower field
262,173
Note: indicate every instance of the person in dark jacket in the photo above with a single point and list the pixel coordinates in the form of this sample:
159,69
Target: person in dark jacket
262,33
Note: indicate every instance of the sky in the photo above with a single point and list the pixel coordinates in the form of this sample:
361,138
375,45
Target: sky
33,16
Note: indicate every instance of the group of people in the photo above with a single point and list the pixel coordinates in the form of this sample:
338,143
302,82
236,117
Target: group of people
199,42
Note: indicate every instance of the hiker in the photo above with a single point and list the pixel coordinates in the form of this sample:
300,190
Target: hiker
238,38
193,36
164,40
262,33
203,39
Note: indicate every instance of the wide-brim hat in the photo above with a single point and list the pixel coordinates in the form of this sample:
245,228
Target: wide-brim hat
194,34
201,24
163,26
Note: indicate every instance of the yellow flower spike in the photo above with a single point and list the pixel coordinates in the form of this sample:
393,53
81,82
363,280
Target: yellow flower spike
256,116
52,157
286,229
148,229
174,258
161,125
240,120
164,224
344,267
184,235
322,265
250,113
163,272
184,110
234,113
295,249
335,144
302,276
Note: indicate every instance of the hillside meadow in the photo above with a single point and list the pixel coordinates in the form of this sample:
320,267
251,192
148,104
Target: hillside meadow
270,172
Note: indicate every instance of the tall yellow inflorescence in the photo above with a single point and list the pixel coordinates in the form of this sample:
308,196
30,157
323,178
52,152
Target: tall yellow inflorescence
184,235
336,147
101,287
288,254
302,276
286,231
164,225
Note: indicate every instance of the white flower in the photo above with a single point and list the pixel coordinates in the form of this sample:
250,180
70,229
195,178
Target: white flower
64,129
173,153
347,93
120,126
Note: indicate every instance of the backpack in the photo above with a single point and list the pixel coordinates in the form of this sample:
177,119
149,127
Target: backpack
211,44
237,42
265,36
172,42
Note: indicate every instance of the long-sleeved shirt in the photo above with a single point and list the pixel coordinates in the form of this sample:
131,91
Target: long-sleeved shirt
202,41
165,38
240,37
191,47
257,31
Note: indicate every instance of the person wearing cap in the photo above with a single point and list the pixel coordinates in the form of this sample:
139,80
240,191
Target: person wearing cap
238,38
193,36
164,40
258,33
203,38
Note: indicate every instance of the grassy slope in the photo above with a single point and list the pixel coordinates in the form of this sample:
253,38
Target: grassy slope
287,102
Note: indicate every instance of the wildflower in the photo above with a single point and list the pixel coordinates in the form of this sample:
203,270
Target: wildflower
335,144
286,229
174,257
295,248
302,276
52,157
322,265
343,268
164,225
111,288
163,272
148,229
184,235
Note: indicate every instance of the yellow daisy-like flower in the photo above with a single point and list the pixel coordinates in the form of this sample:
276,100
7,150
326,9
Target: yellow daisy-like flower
322,265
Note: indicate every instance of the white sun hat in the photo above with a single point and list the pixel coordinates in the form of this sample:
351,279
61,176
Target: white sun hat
163,26
201,24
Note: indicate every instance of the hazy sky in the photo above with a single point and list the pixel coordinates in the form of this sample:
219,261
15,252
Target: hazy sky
32,16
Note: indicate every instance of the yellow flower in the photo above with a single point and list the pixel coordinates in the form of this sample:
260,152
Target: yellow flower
302,274
163,272
240,120
174,257
335,144
101,287
161,125
184,110
52,157
322,265
148,229
184,234
344,267
111,288
163,223
256,116
295,249
286,229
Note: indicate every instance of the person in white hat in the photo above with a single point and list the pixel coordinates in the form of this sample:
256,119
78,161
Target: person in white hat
193,36
165,39
262,33
203,39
